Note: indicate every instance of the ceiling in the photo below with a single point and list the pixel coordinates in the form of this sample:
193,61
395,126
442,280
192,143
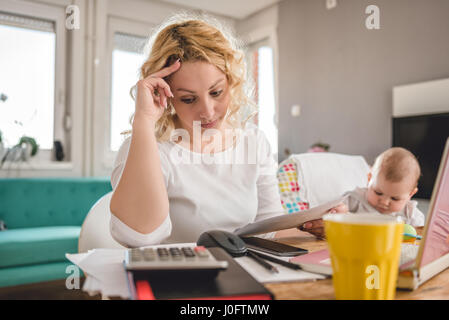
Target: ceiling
237,9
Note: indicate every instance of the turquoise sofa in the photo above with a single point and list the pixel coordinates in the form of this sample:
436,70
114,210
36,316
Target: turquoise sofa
43,217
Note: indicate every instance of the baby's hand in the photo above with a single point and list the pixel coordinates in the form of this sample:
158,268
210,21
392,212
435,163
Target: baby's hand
340,208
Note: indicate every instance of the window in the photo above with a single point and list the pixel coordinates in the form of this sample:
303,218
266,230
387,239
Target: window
261,66
119,70
266,96
27,78
127,58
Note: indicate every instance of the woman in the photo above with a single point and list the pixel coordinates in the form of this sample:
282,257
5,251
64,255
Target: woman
191,87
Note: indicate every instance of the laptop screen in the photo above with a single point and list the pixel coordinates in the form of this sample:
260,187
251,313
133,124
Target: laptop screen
436,238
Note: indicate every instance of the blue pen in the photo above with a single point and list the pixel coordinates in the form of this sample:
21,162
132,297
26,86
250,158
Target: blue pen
412,235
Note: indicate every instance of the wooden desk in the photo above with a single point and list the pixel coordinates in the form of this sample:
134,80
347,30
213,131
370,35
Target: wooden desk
435,288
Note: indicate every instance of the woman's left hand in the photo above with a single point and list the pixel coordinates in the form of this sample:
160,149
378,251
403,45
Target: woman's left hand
316,227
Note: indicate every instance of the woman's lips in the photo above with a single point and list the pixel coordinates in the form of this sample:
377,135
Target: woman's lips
209,125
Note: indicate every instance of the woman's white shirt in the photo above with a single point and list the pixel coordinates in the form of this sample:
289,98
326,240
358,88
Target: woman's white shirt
225,190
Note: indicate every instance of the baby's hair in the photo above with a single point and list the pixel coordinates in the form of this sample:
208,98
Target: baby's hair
397,163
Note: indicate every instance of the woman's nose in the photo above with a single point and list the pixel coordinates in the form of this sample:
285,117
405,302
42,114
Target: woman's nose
207,111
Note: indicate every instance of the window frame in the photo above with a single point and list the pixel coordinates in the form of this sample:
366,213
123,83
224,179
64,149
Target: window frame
57,15
265,38
103,156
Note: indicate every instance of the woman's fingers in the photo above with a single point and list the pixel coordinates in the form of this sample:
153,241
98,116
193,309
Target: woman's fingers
153,92
167,70
313,224
160,85
159,89
164,100
319,233
315,227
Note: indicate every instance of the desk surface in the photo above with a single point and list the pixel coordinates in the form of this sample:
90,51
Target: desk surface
434,289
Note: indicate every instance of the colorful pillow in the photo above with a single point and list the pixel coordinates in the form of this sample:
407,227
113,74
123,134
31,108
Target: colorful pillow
292,197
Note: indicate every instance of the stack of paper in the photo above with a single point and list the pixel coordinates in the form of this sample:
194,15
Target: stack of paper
104,272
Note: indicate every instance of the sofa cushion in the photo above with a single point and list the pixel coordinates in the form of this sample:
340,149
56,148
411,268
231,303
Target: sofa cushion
37,245
42,202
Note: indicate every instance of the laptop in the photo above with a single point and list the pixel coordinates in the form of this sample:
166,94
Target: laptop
433,251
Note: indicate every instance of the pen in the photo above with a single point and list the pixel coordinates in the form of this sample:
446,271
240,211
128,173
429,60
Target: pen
263,263
412,235
281,262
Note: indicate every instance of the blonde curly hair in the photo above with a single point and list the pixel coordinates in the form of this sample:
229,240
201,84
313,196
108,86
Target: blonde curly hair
200,38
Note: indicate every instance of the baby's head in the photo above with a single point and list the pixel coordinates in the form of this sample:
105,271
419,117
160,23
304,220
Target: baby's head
393,180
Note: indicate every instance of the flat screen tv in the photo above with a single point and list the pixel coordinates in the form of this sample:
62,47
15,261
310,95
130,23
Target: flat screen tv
425,136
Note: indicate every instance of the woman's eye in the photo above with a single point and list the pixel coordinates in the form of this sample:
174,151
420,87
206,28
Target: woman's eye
216,93
188,100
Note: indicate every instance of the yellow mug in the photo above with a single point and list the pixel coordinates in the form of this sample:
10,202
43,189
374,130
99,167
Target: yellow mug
365,250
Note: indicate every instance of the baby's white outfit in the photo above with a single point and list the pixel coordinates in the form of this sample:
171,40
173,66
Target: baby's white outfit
357,203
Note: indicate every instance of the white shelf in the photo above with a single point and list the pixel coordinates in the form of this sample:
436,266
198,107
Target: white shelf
422,98
33,166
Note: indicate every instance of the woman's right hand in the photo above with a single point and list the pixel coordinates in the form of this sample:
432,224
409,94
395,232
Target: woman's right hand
153,92
316,227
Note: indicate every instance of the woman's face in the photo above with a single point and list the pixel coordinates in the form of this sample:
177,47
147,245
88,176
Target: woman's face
201,93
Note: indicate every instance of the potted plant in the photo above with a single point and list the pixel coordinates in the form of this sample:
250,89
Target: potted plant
29,147
26,148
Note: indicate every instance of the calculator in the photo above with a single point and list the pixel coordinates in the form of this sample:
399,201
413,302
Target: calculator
174,261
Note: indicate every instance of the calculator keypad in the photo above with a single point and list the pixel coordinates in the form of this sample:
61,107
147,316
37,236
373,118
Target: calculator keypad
171,258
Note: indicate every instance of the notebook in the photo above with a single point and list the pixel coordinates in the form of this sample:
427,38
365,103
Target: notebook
420,262
233,283
320,262
317,262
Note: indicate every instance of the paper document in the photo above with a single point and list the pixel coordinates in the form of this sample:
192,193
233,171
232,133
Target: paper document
285,274
287,221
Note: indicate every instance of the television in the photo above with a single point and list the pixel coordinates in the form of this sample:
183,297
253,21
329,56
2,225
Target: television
425,136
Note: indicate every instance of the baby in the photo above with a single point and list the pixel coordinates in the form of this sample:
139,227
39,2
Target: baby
392,182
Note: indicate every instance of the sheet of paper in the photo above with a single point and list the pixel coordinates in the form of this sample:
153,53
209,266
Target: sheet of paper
285,274
287,221
104,271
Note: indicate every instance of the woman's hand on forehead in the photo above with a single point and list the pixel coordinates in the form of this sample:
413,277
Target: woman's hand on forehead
153,92
165,72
